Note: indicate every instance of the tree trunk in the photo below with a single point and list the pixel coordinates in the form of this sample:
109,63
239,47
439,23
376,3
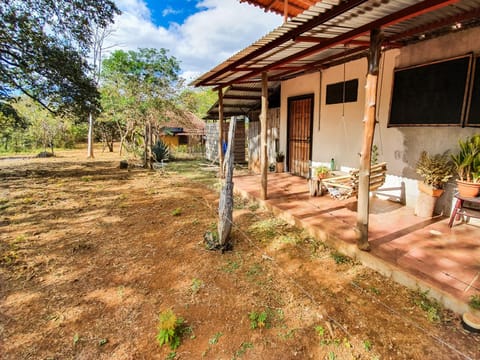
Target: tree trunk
263,137
90,137
225,207
368,133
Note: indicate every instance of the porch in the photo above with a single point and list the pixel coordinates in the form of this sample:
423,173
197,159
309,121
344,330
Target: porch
416,252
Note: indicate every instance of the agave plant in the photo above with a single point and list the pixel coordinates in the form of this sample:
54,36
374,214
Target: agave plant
435,170
160,151
467,160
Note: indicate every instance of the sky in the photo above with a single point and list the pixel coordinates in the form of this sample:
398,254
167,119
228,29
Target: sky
199,33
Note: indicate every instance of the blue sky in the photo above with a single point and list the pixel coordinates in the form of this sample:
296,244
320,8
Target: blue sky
167,11
199,33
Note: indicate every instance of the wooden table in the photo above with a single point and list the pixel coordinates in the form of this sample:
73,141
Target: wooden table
462,208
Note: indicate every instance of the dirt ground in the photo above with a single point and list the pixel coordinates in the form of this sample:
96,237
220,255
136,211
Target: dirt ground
90,255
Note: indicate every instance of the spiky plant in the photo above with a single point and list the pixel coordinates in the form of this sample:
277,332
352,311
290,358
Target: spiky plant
435,170
160,151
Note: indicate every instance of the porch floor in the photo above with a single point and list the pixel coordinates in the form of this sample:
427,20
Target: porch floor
417,252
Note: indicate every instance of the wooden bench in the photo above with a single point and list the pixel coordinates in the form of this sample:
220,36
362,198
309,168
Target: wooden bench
343,187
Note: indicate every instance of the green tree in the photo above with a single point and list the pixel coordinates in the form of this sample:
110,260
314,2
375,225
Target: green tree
197,101
43,47
139,92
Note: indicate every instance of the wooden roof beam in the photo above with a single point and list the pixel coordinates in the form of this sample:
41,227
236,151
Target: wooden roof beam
245,89
399,16
241,97
318,20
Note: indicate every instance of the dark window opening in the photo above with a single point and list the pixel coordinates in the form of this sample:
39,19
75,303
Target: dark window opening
345,91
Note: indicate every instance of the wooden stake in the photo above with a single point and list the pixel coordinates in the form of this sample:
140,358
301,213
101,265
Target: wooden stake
368,134
263,136
220,133
285,11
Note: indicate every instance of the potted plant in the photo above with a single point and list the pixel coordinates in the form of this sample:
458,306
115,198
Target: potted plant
435,171
322,172
279,158
467,164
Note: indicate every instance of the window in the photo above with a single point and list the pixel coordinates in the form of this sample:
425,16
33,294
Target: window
432,94
345,91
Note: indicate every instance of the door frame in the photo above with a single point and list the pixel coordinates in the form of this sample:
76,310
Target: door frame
289,101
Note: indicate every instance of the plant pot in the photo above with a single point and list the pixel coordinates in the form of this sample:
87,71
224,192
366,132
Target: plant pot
279,167
429,190
425,205
468,189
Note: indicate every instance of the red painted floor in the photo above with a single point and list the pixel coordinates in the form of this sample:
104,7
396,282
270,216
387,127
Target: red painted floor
423,251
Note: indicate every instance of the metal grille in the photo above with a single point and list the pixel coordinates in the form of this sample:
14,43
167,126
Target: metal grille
300,112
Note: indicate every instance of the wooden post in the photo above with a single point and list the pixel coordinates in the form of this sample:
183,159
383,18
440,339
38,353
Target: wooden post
368,133
225,206
285,11
263,136
220,133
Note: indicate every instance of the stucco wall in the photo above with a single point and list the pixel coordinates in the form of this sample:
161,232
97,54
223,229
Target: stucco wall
338,128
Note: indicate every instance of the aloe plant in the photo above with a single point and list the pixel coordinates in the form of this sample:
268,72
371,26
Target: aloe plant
467,160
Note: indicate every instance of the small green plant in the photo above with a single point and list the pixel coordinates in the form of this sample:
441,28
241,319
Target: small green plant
322,172
171,356
367,345
230,266
169,329
374,158
339,258
214,339
374,290
177,212
243,349
435,170
331,356
86,178
474,302
320,330
430,306
197,284
76,339
258,320
102,342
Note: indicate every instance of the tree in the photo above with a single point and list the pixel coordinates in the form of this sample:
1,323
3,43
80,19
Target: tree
43,47
140,90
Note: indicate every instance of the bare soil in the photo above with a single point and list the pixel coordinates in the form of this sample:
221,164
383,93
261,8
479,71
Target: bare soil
91,254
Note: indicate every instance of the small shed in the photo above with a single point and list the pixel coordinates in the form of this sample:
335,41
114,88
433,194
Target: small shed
186,129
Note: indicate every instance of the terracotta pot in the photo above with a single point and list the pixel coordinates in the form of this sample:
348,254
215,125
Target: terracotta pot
279,167
427,189
468,189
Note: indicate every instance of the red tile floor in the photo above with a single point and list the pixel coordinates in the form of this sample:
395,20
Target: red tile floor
417,252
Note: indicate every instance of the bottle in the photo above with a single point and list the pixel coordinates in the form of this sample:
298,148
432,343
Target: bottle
332,164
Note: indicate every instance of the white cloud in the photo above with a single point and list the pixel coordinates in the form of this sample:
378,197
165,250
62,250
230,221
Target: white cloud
169,10
219,29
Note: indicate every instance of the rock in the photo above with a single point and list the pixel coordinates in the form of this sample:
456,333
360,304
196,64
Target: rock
123,164
44,154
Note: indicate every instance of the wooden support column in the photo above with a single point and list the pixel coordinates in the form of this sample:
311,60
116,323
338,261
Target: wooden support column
263,136
220,133
368,133
285,11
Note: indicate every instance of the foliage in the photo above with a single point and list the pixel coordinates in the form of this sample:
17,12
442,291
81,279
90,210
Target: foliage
258,320
467,160
430,306
322,171
44,45
160,151
374,157
339,258
197,101
280,156
474,302
139,93
435,170
170,329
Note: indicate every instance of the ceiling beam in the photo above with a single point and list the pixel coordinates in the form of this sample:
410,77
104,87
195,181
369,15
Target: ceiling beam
318,20
244,89
241,97
399,16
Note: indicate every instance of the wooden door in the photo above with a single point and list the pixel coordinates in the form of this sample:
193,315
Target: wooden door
299,134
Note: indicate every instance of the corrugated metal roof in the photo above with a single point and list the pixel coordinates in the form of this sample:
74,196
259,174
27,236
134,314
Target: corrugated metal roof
295,7
329,32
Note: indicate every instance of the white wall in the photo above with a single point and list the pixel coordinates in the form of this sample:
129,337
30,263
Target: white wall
338,128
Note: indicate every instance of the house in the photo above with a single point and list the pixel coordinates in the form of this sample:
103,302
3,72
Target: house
401,75
185,129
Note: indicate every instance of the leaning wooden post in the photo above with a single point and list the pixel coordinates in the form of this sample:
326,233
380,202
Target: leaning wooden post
225,206
285,11
368,133
220,133
263,136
